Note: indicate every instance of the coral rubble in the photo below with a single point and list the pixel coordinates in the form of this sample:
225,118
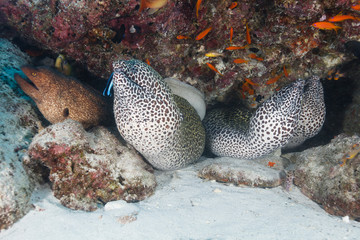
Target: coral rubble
87,168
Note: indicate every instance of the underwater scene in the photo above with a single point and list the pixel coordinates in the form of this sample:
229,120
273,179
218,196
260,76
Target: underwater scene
169,119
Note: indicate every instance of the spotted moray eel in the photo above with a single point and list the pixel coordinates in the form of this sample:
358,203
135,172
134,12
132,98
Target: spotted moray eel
162,126
235,132
312,115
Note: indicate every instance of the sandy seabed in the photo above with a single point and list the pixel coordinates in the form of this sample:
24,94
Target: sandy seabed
186,207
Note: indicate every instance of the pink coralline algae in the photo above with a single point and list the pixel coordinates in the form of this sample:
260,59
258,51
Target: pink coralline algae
89,168
94,33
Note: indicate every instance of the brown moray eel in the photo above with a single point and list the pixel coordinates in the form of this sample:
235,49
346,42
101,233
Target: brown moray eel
59,97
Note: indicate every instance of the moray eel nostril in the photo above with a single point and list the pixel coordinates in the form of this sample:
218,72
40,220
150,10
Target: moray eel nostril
162,126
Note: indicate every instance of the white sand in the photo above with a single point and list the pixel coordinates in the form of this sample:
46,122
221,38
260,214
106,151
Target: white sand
187,207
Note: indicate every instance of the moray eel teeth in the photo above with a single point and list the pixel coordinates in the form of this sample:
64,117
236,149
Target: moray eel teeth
235,132
312,115
162,126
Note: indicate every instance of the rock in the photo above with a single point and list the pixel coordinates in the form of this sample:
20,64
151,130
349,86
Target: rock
252,173
18,124
328,178
351,120
352,115
87,168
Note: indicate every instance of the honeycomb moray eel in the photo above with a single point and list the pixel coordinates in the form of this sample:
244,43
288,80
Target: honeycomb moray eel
312,115
235,132
162,126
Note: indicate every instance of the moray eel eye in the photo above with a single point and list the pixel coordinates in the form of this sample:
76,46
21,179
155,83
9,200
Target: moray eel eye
33,74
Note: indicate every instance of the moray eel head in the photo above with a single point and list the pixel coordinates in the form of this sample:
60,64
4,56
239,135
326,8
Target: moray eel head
162,126
37,81
59,97
288,99
136,77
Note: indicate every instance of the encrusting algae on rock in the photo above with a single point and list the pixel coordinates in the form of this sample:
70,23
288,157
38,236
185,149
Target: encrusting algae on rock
89,168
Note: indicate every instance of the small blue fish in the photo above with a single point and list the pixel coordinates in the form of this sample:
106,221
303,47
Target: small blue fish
109,85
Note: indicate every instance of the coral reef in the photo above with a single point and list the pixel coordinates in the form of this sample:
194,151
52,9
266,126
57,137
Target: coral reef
266,171
279,35
87,168
329,175
18,124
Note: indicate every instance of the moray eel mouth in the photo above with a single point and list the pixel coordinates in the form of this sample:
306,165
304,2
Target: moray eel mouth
36,83
27,85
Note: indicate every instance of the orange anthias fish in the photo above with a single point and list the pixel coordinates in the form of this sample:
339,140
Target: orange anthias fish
340,18
235,48
356,7
240,60
326,26
285,72
231,34
233,5
251,82
203,34
182,37
151,4
197,8
274,79
147,62
246,88
248,38
254,56
213,68
271,164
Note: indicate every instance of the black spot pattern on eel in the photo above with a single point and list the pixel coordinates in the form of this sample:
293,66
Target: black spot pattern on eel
163,127
237,133
312,115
